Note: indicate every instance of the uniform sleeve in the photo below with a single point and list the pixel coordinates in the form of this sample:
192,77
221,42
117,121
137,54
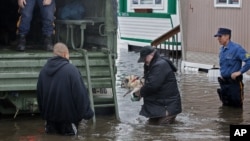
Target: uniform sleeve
245,57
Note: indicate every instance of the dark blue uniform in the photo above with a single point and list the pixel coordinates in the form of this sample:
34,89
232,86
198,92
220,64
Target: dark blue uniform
231,58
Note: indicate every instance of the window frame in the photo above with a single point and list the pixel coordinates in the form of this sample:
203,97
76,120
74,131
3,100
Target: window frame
152,6
227,4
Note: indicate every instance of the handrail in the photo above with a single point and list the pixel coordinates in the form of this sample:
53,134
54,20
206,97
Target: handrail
166,36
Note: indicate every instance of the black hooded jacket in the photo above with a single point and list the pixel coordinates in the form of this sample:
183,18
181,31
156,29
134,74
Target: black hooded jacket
160,91
61,93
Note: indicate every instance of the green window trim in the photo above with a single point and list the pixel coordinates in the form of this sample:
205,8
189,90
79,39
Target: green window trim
171,6
149,15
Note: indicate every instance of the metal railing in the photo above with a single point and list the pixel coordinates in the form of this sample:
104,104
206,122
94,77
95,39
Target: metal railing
169,45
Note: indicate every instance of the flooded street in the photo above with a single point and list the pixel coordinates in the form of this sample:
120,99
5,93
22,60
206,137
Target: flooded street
202,119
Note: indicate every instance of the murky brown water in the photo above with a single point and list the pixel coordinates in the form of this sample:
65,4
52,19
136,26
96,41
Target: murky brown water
202,119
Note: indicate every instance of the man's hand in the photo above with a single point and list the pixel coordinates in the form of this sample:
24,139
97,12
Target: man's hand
137,93
47,2
21,3
235,74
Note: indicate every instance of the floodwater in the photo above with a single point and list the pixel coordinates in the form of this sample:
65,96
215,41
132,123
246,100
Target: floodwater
203,118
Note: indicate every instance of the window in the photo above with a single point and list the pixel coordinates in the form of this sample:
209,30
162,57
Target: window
154,4
227,3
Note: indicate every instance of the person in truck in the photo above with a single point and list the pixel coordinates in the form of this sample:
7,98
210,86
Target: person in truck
47,9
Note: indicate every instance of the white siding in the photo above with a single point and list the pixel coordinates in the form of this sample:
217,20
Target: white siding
143,28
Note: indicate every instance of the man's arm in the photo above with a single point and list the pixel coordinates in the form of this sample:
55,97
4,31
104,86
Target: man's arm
21,3
155,79
47,2
81,96
245,57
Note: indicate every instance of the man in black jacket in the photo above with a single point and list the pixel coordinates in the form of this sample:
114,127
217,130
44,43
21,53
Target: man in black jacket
161,97
61,94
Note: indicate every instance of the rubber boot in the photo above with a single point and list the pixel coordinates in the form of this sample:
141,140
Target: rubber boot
21,43
48,45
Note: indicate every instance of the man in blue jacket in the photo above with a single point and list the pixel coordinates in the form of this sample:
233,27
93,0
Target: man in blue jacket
61,94
161,97
231,57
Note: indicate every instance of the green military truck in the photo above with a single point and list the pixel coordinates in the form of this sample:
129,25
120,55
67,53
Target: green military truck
92,41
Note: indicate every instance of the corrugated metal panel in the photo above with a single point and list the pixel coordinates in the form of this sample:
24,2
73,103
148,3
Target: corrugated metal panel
143,28
200,21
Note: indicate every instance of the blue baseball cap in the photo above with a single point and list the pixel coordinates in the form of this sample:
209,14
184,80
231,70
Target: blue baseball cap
223,31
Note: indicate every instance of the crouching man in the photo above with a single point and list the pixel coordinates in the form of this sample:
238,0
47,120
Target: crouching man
161,97
61,94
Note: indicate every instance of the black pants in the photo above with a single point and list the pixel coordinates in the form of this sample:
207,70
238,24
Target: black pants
61,128
231,91
162,120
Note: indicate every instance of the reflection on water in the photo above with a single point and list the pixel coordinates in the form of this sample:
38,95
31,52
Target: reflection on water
203,118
